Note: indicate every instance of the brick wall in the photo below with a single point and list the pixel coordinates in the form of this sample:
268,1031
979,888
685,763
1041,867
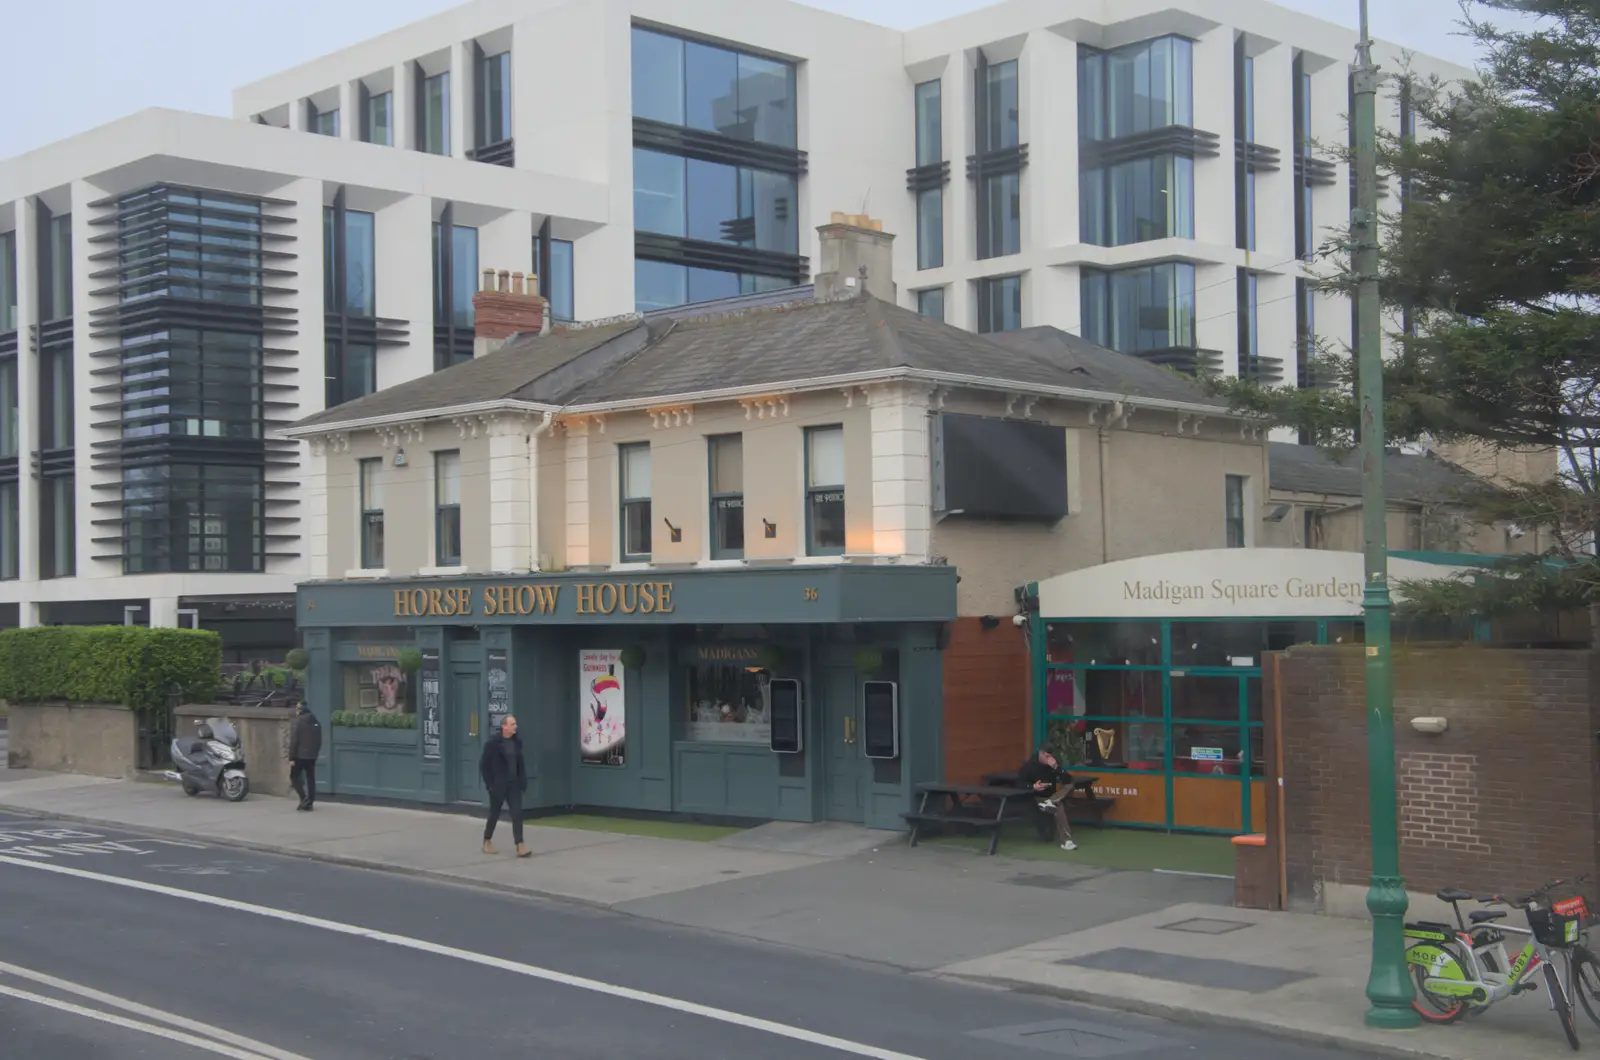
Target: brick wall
987,704
1503,800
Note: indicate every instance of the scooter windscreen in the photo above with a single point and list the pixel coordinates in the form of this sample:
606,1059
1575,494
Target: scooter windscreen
223,731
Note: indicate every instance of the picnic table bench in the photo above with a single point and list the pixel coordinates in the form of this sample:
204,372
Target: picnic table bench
1082,803
980,807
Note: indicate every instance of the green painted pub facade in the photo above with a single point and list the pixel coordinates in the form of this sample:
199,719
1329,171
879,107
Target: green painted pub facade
660,691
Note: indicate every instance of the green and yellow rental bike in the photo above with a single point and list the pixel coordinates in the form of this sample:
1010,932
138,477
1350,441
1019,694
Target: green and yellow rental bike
1462,970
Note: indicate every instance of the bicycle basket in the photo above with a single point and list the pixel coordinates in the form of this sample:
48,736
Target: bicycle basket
1552,928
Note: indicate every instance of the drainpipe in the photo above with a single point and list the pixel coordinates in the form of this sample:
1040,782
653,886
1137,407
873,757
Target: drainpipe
1105,508
533,488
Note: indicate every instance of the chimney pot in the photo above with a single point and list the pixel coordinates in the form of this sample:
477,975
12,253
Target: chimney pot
505,281
488,280
516,284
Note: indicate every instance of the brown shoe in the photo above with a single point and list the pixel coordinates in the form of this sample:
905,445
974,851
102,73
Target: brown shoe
488,848
523,851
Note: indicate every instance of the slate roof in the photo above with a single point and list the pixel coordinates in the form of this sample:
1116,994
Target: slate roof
766,346
1406,477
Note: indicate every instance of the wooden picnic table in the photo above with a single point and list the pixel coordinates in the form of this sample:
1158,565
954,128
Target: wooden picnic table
981,807
1082,803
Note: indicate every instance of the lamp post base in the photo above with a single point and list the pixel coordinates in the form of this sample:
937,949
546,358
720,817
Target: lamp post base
1388,985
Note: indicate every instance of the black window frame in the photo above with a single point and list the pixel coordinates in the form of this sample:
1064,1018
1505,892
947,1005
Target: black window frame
10,531
989,288
556,261
372,537
926,299
821,493
446,517
425,133
1234,494
9,314
483,135
370,106
628,506
725,502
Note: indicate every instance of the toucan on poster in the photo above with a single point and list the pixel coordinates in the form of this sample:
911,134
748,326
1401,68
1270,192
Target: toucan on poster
602,725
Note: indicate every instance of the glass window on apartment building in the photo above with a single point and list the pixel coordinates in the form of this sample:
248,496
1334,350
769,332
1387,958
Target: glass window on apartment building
1233,501
447,508
1305,238
930,303
1244,125
825,491
372,514
730,194
930,151
634,464
455,279
555,279
999,304
726,454
8,282
57,528
1248,289
493,102
324,122
1132,90
354,259
9,403
435,124
56,296
1138,310
380,119
10,531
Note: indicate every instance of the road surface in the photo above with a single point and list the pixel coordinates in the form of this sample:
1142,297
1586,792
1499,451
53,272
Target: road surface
114,946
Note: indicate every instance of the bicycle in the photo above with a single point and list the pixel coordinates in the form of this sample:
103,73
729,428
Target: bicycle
1458,970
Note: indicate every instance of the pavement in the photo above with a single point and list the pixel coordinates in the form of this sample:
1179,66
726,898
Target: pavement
1133,943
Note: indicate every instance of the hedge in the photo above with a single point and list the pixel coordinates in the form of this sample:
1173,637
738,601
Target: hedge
131,665
372,719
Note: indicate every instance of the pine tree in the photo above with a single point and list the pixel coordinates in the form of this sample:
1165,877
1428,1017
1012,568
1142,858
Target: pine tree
1493,260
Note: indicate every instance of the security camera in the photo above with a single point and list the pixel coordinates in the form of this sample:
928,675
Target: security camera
1019,620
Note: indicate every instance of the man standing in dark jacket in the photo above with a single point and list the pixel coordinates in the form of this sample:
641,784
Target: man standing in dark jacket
305,743
506,777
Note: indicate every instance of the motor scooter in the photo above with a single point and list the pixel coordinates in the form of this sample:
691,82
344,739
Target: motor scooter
211,760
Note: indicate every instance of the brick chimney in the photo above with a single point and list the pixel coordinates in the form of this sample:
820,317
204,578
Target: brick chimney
507,304
851,242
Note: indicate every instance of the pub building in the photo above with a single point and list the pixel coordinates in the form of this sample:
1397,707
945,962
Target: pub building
754,559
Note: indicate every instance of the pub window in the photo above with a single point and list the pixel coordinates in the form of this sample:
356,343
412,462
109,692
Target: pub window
727,496
1234,501
635,461
371,514
447,508
825,491
729,702
376,687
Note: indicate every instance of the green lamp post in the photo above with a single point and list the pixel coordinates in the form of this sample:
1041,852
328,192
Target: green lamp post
1388,986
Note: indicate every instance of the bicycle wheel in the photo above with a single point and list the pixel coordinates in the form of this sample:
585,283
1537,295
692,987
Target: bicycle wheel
1426,962
1558,998
1586,982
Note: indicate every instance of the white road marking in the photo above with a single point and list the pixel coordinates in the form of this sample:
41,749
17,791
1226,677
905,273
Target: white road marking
257,1050
549,975
133,1025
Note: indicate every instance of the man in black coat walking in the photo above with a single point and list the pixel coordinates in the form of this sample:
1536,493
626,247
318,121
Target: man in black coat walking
506,777
305,743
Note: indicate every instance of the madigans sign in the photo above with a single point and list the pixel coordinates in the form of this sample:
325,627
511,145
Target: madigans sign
536,598
1223,583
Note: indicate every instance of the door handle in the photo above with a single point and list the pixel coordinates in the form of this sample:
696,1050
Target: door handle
472,724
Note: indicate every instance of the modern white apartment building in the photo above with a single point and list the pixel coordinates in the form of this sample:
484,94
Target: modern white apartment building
173,287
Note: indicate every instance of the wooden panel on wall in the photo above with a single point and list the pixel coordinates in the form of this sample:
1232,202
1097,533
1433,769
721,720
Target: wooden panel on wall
1208,802
988,709
1141,799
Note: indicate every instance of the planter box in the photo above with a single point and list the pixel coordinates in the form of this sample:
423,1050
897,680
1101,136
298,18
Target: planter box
345,735
94,739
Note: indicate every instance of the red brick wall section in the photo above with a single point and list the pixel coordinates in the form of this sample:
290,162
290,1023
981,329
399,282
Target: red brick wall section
1504,800
987,706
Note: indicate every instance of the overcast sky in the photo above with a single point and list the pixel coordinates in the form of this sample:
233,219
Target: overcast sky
125,55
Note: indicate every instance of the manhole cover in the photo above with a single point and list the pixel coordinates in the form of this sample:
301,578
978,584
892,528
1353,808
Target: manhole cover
1053,883
1076,1038
1201,925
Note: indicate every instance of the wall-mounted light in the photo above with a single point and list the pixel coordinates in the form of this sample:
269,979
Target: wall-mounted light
769,530
399,458
1431,726
676,532
989,622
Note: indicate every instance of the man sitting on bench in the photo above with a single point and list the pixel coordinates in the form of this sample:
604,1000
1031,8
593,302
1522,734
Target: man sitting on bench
1051,783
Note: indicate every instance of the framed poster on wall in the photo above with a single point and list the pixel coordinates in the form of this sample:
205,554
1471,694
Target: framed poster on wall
499,688
432,725
602,711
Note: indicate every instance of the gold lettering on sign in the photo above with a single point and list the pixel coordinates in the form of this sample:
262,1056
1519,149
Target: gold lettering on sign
536,598
726,654
377,651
